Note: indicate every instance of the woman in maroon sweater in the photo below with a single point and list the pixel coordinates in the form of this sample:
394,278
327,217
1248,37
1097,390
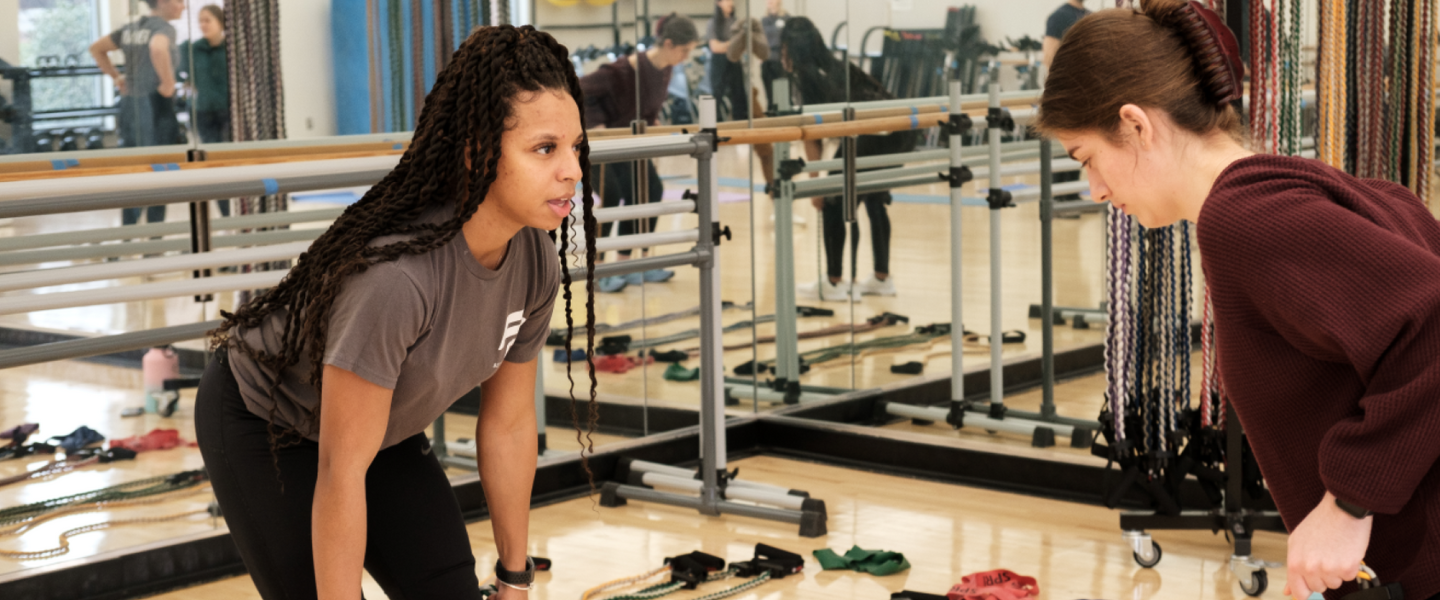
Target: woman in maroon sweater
1326,288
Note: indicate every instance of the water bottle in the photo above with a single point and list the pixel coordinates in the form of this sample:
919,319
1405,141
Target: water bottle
160,363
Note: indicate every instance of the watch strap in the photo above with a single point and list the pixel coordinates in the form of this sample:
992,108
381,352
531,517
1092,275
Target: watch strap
1352,509
515,578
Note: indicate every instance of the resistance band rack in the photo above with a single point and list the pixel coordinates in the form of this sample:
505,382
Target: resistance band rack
1238,521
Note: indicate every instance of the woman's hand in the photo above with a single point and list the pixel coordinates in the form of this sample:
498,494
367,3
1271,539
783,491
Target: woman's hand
818,203
1325,549
120,84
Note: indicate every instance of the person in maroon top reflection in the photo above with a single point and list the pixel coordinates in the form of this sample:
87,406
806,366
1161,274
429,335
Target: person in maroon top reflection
610,101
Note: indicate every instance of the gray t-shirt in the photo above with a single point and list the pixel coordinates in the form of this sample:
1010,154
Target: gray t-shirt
429,326
134,40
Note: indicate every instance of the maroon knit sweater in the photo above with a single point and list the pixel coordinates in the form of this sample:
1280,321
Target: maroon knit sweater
1327,323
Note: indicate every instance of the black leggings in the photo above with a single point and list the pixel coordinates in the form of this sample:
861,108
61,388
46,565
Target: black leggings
417,546
834,216
620,185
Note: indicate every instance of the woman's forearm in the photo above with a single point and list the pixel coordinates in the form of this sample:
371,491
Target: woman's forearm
507,457
338,530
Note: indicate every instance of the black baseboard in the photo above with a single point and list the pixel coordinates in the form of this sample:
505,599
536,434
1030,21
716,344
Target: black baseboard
614,418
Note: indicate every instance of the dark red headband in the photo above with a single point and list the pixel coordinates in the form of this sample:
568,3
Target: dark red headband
1222,61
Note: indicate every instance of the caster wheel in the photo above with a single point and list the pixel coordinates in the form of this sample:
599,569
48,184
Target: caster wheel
1150,563
1257,584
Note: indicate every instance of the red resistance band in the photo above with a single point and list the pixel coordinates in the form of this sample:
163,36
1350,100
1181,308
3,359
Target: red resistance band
999,584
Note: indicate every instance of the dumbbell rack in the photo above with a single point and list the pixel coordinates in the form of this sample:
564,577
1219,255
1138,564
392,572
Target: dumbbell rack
21,112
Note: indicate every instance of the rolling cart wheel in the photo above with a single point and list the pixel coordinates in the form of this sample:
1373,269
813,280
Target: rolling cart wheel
1151,563
1257,584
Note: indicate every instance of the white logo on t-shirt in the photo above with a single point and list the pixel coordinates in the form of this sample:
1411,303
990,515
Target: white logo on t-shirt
512,331
134,37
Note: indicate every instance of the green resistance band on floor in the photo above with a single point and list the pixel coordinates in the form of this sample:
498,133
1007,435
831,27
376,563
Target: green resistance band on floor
875,562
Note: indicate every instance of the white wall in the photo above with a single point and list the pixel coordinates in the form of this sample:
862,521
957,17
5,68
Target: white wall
307,67
9,42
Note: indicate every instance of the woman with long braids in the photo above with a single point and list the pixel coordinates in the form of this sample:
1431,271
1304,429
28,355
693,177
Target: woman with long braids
819,78
441,278
1326,288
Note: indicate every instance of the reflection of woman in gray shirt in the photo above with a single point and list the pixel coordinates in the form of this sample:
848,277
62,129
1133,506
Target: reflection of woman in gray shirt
147,88
442,278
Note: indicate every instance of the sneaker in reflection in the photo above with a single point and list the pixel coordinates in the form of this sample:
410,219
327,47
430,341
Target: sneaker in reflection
658,275
873,286
611,285
824,290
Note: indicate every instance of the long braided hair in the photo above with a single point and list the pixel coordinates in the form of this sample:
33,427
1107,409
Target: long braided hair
468,109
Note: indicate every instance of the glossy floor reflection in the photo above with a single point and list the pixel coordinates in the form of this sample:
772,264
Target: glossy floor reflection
945,531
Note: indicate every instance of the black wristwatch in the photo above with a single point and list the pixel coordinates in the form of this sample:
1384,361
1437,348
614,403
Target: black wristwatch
1351,509
521,580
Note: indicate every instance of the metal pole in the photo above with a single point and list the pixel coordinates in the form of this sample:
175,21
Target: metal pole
712,377
200,228
997,385
957,270
1047,286
787,355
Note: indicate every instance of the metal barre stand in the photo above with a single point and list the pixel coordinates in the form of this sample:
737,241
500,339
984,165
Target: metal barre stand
1044,427
713,494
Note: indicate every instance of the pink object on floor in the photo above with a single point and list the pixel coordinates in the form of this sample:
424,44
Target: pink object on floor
999,584
158,439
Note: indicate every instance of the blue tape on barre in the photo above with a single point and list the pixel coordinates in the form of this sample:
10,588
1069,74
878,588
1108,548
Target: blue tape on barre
71,162
58,165
157,168
944,109
397,147
271,186
818,119
914,110
914,122
172,167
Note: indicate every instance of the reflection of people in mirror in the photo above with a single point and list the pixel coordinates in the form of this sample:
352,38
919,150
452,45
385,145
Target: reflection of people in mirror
820,78
610,102
774,21
203,67
147,87
727,79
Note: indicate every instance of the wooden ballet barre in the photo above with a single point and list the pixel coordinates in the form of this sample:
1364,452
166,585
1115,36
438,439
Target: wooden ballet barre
45,169
257,159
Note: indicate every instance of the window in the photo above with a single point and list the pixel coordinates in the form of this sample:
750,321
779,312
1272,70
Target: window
59,33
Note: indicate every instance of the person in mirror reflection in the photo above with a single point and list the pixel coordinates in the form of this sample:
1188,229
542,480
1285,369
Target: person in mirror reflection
311,419
727,78
147,87
610,102
1325,288
818,77
748,38
203,68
